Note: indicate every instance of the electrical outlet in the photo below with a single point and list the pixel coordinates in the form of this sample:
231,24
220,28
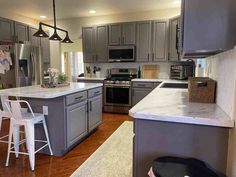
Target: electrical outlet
45,110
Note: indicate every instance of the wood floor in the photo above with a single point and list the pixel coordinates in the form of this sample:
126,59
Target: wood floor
59,166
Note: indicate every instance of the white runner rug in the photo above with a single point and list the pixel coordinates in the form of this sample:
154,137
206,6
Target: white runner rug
113,158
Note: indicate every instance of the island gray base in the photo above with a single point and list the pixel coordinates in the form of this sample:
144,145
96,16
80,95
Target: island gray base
154,139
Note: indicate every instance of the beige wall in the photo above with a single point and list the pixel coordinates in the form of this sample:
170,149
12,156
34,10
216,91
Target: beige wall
19,18
222,68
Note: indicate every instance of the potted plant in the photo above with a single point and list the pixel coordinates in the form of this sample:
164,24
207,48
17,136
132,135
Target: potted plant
62,78
88,71
97,71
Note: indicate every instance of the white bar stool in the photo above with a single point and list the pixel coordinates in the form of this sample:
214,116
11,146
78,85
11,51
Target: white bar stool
28,120
4,115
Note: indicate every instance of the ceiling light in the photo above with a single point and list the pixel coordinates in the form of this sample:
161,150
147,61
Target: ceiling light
92,11
177,2
42,16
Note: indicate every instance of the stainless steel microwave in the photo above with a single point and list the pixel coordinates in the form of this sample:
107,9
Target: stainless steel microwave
121,53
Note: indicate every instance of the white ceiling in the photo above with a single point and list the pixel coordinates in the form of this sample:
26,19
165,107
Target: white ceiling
80,8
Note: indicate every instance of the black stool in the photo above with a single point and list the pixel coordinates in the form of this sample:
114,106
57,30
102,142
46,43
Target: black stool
181,167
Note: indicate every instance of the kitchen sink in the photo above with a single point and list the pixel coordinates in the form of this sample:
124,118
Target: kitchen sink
175,85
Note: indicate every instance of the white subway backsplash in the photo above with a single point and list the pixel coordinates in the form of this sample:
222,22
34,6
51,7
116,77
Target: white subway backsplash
164,68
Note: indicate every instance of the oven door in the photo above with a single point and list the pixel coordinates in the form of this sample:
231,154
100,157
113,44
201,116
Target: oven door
117,95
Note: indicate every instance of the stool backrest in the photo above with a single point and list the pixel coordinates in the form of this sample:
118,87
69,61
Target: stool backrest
14,107
4,112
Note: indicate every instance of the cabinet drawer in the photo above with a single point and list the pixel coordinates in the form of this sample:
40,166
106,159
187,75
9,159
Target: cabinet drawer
143,84
76,98
95,92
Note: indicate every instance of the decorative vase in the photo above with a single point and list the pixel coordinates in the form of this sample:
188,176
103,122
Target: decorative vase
98,74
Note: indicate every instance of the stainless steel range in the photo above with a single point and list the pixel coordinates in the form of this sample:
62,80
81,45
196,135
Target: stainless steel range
117,90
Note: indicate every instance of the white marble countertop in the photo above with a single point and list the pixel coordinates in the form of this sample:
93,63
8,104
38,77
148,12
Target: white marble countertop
46,93
92,78
172,105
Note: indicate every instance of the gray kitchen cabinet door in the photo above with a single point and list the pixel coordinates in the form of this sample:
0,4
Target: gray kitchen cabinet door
143,45
207,27
76,122
160,41
45,47
34,40
89,44
101,43
173,39
6,30
95,112
128,34
21,32
139,94
115,34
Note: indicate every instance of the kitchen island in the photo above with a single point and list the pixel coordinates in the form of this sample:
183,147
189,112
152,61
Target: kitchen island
167,124
72,112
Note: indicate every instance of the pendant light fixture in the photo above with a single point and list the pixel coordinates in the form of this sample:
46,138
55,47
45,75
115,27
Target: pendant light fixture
55,36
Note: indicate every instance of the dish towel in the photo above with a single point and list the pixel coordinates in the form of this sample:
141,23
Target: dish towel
5,61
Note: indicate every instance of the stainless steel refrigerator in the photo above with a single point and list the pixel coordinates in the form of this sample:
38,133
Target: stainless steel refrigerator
28,65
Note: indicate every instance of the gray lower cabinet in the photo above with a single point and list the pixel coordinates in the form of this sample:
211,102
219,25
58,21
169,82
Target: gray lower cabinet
76,122
6,30
173,39
95,112
141,90
160,41
139,94
21,32
143,43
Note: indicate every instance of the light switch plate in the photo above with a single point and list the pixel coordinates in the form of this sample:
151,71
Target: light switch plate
45,110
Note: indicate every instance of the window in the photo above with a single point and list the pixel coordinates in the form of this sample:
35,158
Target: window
72,64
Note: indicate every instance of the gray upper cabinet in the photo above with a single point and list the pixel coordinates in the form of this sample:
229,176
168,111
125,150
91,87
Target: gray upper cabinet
101,42
45,46
122,34
207,27
115,34
76,122
143,44
160,41
34,40
173,39
6,30
128,33
89,44
21,32
95,112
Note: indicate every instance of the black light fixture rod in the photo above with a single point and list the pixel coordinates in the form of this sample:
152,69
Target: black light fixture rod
54,13
44,24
